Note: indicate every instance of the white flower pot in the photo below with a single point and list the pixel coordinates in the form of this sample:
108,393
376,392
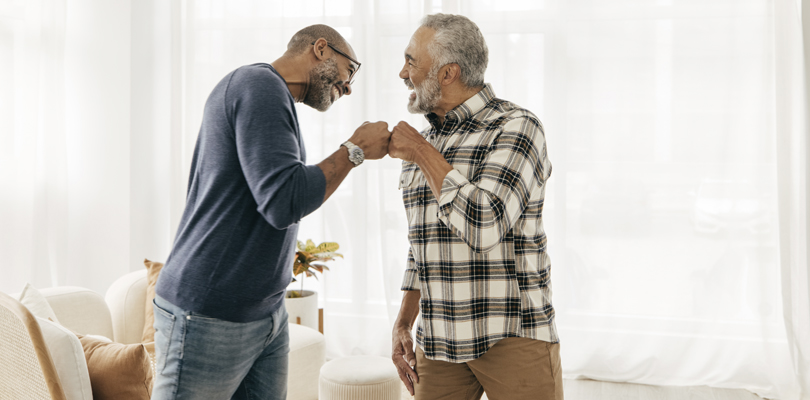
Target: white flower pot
305,308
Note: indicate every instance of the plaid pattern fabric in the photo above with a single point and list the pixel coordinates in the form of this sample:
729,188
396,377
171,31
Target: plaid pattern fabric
478,253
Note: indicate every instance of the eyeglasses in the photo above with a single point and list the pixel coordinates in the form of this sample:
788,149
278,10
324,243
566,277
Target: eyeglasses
351,77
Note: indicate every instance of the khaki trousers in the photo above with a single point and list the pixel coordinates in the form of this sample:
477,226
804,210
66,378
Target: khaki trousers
514,369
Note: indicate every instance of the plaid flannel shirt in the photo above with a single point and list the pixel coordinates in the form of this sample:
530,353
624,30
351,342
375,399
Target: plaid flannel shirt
478,254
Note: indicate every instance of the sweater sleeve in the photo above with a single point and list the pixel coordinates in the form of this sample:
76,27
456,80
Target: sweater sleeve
270,149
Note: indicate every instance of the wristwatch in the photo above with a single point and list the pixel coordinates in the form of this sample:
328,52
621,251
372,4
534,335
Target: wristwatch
356,155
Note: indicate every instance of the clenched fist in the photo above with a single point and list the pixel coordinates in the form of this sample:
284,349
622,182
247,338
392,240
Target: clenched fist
406,142
373,138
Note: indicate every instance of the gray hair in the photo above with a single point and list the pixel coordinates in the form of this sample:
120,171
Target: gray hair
458,40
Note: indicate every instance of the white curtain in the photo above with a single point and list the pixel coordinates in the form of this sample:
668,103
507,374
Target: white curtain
32,120
85,145
676,212
792,58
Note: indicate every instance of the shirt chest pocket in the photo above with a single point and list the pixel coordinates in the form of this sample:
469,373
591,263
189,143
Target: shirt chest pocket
414,187
410,177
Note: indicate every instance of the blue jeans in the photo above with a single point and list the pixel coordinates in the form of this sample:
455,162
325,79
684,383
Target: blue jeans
200,357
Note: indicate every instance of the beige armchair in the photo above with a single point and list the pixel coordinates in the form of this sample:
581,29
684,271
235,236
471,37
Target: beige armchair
118,316
126,298
27,370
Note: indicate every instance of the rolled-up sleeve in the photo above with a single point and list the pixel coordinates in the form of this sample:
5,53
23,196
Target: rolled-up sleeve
483,209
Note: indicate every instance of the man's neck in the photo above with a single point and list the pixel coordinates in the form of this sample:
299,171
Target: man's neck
293,73
452,98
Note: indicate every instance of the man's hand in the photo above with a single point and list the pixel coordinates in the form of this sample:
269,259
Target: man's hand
373,138
406,142
403,357
408,145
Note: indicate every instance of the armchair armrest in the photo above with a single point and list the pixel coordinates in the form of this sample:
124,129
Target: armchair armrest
126,299
80,310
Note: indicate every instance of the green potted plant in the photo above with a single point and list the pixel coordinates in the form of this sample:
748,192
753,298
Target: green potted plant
302,305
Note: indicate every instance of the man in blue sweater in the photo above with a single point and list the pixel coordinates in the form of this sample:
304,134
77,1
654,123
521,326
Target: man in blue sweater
221,326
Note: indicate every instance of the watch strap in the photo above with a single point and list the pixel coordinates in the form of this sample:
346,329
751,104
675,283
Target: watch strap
356,155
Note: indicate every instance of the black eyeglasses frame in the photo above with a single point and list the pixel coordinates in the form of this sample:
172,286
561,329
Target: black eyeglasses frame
335,49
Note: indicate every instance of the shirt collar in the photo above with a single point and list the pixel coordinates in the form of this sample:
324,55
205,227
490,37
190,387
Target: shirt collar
466,109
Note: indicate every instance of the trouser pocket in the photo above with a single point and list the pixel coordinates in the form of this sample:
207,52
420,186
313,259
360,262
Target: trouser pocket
164,327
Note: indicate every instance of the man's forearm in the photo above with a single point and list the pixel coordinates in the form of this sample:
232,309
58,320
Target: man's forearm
434,167
335,168
409,310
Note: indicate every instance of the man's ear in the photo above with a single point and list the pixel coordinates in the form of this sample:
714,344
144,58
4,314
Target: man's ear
319,49
449,74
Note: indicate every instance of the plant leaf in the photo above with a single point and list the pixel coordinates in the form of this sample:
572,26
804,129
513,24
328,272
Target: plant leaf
327,247
299,267
308,253
328,255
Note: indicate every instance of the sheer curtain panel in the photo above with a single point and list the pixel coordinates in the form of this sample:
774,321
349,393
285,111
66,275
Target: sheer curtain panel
85,142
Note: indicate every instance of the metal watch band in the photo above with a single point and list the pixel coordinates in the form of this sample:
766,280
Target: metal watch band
356,155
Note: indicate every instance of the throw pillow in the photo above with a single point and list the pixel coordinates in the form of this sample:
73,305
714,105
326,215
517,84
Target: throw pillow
36,303
117,371
152,272
68,358
150,349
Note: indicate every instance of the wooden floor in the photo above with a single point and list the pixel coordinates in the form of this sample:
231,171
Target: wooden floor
595,390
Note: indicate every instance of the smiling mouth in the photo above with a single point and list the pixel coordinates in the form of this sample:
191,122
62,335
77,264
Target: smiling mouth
338,94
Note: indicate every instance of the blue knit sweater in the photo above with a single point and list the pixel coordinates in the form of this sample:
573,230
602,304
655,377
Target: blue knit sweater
249,186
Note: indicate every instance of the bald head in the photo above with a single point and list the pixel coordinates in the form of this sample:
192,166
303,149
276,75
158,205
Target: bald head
304,38
318,66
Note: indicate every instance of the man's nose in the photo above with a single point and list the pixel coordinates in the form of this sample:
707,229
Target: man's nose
403,73
348,86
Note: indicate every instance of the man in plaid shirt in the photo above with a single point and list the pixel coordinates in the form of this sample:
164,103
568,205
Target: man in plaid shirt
473,184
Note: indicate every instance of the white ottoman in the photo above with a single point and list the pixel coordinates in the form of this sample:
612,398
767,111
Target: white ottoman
307,355
359,378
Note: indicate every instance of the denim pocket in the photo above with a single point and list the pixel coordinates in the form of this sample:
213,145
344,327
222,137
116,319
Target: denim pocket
164,326
193,316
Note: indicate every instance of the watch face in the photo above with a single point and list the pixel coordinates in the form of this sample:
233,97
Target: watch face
357,155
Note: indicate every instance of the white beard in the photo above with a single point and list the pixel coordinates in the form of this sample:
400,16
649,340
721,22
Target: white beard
428,94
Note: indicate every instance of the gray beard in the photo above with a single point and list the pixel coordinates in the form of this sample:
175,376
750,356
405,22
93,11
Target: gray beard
321,80
428,95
